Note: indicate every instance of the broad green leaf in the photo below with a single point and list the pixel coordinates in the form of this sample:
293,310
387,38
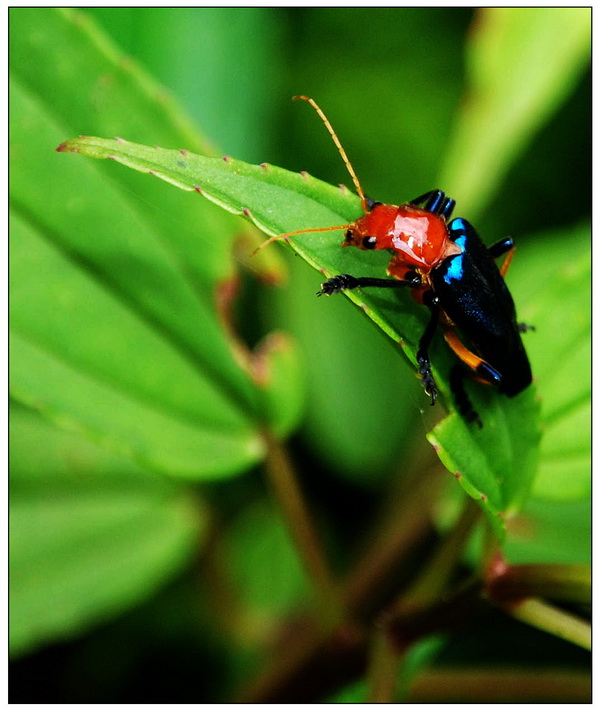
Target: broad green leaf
126,274
82,403
495,465
521,62
90,533
117,316
547,531
553,281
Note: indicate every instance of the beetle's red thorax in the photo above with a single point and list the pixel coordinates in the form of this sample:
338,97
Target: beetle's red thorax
418,238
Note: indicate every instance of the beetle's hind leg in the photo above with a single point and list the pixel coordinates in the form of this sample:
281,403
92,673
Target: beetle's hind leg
504,246
507,246
461,399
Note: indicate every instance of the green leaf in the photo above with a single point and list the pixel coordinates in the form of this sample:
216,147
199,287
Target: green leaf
90,533
552,532
496,465
278,372
126,273
260,560
553,274
522,62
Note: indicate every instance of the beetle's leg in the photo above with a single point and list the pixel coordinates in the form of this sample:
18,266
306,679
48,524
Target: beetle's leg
497,250
423,361
430,201
461,398
524,327
501,247
447,208
482,371
504,246
346,281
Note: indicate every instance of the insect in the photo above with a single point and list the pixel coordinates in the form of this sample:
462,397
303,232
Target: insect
451,272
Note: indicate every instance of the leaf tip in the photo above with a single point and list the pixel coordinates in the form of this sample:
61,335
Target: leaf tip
69,146
63,148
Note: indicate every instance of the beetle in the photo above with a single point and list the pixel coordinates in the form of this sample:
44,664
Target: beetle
450,271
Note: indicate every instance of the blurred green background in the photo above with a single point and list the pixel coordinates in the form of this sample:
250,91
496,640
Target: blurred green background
114,537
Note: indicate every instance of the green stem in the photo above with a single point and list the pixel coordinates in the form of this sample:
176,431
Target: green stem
549,618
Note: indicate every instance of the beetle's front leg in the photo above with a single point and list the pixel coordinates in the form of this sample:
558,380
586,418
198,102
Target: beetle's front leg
427,381
342,282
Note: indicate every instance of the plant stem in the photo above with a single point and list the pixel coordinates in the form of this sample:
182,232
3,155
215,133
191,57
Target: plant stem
284,484
493,685
434,579
382,673
571,583
549,618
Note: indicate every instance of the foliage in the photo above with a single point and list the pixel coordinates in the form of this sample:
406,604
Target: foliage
146,392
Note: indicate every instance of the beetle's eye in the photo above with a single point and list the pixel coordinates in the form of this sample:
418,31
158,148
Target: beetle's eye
369,242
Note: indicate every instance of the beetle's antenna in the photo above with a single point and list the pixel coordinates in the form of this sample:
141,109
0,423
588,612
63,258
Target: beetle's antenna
336,140
285,235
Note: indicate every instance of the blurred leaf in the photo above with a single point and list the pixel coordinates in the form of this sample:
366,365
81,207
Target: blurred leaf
138,387
360,416
559,305
260,561
220,94
550,532
522,63
496,465
279,374
90,533
395,126
123,303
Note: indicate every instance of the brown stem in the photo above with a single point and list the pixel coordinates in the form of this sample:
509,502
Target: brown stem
500,685
284,484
